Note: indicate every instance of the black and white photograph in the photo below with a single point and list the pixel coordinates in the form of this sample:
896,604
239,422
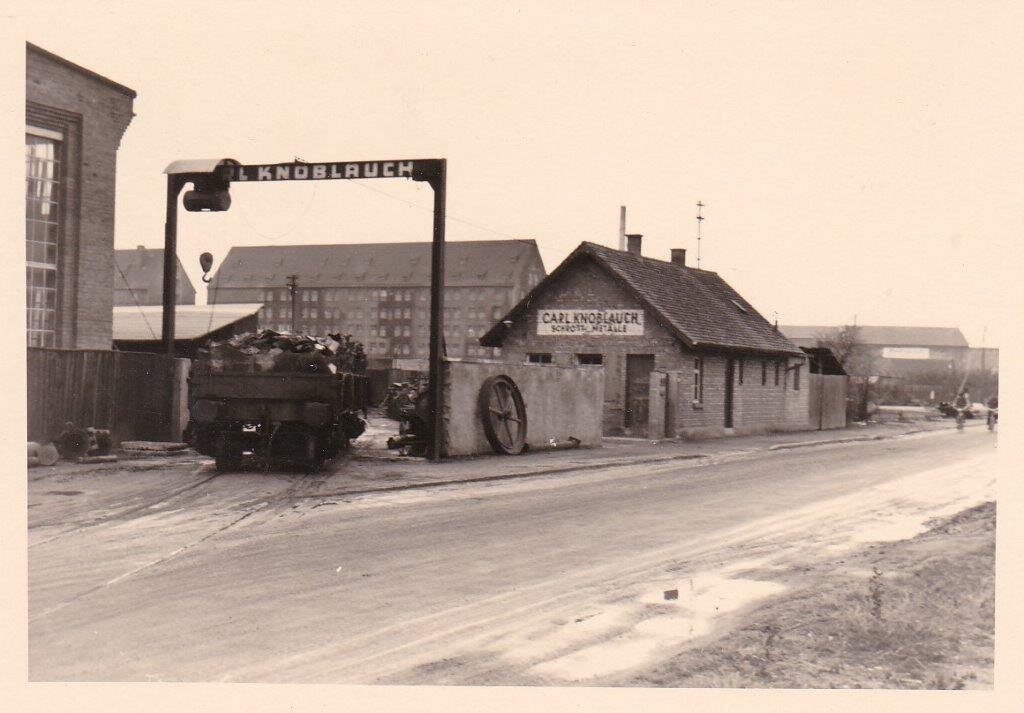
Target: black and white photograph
515,349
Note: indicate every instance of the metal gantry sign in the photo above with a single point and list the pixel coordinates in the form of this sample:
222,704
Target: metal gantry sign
211,180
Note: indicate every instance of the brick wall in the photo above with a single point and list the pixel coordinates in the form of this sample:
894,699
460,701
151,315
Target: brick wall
757,407
93,116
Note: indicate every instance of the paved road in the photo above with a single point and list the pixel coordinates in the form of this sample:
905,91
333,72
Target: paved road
466,584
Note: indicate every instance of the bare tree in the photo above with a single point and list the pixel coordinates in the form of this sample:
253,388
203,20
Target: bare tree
856,359
843,343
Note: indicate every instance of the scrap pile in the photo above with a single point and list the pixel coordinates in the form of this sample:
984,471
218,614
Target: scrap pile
402,397
267,351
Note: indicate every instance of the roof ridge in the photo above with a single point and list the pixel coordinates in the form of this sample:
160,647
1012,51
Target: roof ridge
629,255
391,243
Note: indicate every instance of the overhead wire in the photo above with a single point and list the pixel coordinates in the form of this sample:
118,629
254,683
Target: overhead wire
132,293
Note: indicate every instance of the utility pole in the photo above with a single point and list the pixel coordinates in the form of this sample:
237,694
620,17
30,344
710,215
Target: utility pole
700,219
622,228
983,330
293,284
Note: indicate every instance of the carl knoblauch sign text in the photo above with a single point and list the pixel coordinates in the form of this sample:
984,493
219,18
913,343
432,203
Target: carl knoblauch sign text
591,322
327,171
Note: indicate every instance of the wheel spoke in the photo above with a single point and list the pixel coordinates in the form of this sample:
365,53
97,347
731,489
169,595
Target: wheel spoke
498,390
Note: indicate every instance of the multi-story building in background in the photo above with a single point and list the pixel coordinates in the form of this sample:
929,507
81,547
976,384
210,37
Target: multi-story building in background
380,292
139,278
74,121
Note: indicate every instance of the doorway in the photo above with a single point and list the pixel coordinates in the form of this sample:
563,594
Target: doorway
730,370
638,389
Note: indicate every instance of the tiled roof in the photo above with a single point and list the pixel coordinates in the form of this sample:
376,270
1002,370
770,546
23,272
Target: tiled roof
698,305
808,335
143,268
467,264
136,324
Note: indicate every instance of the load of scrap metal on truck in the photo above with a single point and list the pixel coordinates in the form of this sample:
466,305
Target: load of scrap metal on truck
281,397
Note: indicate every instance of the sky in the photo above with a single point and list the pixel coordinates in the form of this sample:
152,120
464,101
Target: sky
858,161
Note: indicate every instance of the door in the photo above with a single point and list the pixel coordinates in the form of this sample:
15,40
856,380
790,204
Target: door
638,389
730,370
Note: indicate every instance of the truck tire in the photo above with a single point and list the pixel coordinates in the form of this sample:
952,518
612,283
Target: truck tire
312,458
228,451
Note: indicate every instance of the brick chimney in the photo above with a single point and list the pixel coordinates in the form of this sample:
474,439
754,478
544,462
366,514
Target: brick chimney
633,243
679,257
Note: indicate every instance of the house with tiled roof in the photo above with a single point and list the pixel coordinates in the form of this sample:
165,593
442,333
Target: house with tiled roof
380,292
139,278
684,354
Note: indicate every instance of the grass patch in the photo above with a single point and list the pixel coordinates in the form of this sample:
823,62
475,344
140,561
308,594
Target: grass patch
917,613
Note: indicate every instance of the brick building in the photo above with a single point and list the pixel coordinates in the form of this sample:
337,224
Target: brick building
139,278
380,292
74,121
680,348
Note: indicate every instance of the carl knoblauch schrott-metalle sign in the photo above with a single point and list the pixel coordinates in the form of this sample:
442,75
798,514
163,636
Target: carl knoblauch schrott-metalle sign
612,322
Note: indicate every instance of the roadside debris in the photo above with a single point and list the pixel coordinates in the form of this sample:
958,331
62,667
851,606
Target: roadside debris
401,397
407,403
267,351
74,442
42,454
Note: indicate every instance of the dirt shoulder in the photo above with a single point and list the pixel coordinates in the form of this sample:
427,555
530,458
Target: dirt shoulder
912,614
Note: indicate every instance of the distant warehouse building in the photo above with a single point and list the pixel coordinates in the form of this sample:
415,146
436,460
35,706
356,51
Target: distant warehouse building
139,278
892,351
684,354
380,292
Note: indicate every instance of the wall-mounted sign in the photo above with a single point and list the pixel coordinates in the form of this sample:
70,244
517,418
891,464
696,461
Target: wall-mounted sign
591,322
906,353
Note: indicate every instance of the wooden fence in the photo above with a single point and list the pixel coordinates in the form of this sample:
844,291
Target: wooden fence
132,394
827,401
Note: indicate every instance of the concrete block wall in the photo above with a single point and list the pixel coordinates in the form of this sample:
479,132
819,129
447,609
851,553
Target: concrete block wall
93,116
561,402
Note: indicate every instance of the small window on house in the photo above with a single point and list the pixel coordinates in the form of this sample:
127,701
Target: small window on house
537,358
739,371
590,358
776,372
698,380
739,306
796,377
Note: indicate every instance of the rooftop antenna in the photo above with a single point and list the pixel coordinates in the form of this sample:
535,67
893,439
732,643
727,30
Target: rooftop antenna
700,219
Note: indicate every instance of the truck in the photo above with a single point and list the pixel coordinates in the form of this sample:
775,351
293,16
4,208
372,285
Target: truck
301,417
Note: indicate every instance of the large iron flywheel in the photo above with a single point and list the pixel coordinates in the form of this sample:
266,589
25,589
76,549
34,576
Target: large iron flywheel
503,412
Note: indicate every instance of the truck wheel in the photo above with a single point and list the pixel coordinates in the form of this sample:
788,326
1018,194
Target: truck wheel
228,452
312,458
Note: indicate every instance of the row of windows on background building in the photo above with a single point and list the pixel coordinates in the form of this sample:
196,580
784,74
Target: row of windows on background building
42,232
477,294
284,311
